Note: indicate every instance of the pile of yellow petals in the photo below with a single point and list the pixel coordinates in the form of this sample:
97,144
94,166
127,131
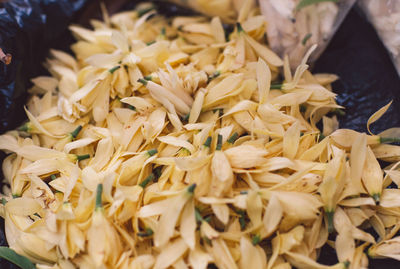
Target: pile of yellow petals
162,144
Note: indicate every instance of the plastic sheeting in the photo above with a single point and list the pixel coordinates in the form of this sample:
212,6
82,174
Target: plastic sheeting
27,29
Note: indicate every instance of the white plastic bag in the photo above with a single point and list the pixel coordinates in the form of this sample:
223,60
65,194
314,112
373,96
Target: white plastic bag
293,26
385,16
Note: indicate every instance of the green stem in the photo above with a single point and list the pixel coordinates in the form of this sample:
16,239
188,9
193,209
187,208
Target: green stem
276,86
239,27
242,222
256,239
219,142
208,142
75,132
152,152
191,188
82,157
339,112
144,183
147,232
150,43
148,78
233,138
143,81
214,75
306,38
99,192
115,68
329,216
186,117
198,216
389,140
25,128
321,137
376,197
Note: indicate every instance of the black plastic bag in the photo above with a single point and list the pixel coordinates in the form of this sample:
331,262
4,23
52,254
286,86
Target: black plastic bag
27,29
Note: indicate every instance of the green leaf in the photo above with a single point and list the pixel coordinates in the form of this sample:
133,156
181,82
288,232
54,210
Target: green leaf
12,256
305,3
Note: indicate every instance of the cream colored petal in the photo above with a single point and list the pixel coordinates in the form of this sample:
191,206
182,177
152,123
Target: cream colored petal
199,259
222,173
101,103
8,143
357,159
263,80
254,208
372,175
377,115
246,156
197,105
345,247
221,211
217,30
304,262
299,205
80,143
273,215
245,105
188,225
221,89
291,141
104,151
265,53
46,83
390,198
104,60
23,206
222,256
251,256
37,124
166,226
138,102
120,41
171,140
171,253
34,153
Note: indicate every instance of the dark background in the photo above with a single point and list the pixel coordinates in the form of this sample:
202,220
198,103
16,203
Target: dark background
368,79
